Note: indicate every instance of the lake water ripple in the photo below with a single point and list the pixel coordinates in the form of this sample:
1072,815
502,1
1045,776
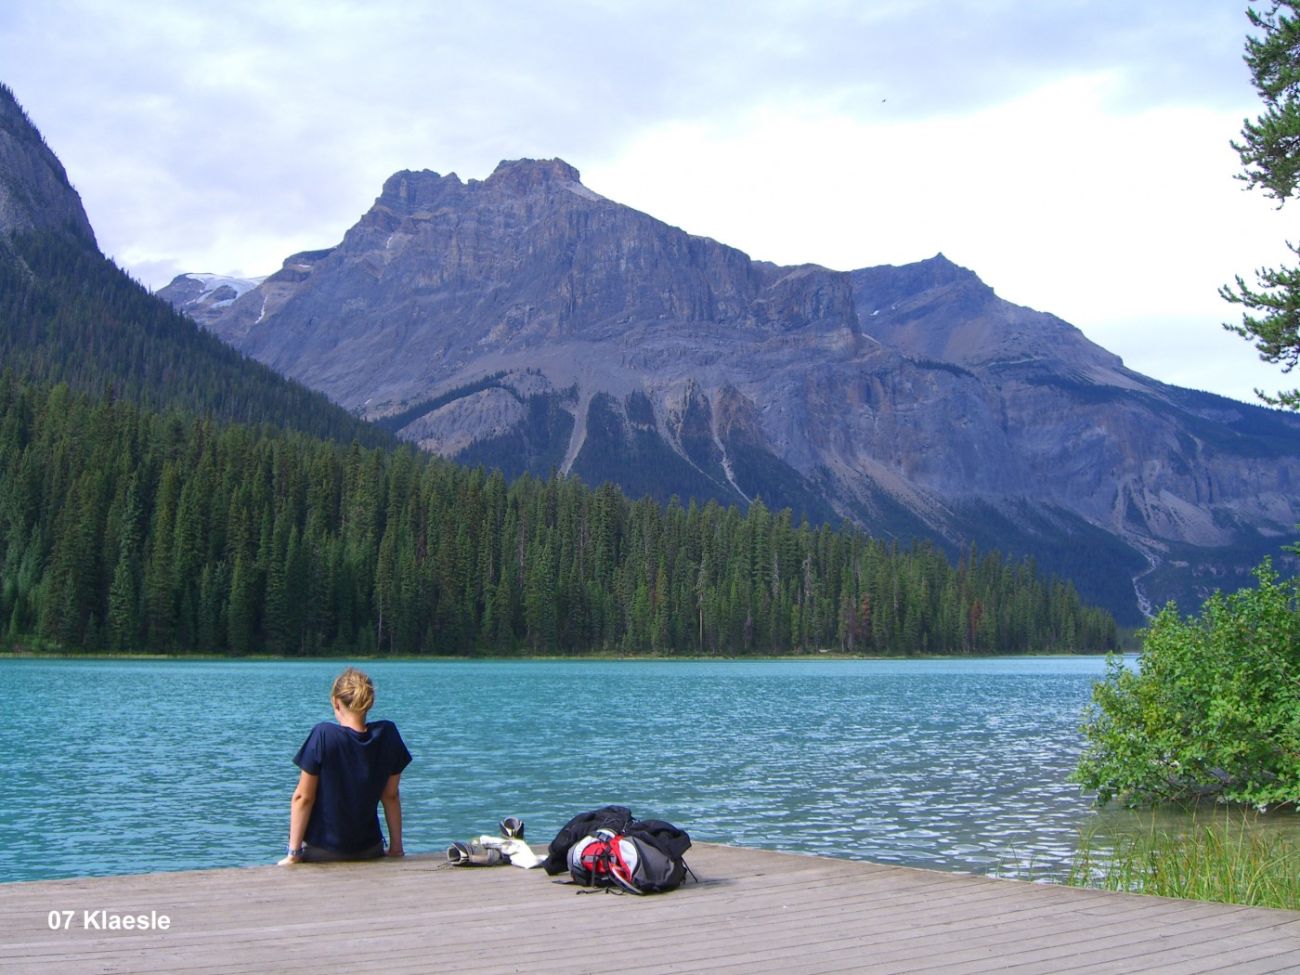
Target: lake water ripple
132,766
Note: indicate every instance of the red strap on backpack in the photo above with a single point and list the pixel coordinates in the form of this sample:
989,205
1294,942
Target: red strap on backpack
603,863
618,868
595,856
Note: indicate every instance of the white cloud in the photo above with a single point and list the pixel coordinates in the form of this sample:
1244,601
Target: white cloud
1108,220
1074,155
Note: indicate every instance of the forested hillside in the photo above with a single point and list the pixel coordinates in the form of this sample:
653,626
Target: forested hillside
123,529
527,322
160,492
68,314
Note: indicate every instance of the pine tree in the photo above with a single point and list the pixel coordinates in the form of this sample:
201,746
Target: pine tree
1270,154
123,607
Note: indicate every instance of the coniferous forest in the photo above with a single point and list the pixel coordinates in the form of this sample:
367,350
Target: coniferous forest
126,529
68,314
159,492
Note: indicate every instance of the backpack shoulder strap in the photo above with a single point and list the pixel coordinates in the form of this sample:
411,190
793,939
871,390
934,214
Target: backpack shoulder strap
619,870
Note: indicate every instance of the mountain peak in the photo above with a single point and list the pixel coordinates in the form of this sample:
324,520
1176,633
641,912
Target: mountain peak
423,189
413,188
944,271
517,321
886,285
524,174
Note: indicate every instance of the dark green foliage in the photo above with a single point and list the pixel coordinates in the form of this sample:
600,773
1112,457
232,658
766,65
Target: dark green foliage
1080,390
123,529
395,421
949,367
68,314
1229,426
696,437
640,411
1062,544
535,447
1268,148
764,475
638,459
1214,708
887,516
627,448
1189,574
1270,155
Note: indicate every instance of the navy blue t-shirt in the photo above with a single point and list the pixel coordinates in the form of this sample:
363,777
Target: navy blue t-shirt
354,767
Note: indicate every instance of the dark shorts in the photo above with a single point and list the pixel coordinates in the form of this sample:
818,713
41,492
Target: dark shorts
323,854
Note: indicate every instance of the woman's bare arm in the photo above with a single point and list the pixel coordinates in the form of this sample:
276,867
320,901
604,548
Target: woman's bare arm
392,802
304,797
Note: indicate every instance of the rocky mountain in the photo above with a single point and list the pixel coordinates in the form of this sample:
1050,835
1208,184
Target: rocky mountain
526,322
35,194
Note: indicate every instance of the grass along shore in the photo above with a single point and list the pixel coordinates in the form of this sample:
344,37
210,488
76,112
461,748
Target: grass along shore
1225,860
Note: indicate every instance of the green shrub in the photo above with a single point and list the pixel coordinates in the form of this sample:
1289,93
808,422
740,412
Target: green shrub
1213,709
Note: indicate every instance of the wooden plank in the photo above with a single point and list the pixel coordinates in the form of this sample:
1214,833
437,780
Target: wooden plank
753,911
990,943
987,944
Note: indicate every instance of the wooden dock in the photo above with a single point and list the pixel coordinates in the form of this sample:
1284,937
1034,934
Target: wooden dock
753,912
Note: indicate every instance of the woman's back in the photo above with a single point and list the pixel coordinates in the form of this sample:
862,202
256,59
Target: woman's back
347,770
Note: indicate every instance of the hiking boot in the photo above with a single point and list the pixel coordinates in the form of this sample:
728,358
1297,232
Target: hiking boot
512,828
474,855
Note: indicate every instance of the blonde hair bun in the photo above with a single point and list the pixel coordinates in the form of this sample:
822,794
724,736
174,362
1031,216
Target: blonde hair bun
354,690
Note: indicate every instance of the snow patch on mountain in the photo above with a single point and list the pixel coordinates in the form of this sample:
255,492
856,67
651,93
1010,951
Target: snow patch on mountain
215,282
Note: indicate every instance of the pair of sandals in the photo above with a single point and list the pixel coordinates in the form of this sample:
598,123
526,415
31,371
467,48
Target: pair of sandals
490,851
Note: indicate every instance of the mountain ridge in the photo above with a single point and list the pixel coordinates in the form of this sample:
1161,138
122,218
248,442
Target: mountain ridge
138,517
546,326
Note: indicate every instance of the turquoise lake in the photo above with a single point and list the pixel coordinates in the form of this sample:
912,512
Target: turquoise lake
124,767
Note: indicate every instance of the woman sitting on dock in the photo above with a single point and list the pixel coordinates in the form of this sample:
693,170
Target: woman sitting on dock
348,769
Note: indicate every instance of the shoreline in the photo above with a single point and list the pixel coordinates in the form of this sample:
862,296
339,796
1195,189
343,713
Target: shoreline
9,654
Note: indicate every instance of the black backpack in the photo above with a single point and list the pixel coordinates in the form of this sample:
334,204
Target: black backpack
609,848
615,818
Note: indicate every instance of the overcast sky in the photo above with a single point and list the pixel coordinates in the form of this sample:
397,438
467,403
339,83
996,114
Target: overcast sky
1074,153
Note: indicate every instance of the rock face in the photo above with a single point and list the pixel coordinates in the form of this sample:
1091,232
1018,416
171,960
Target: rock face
526,322
34,190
